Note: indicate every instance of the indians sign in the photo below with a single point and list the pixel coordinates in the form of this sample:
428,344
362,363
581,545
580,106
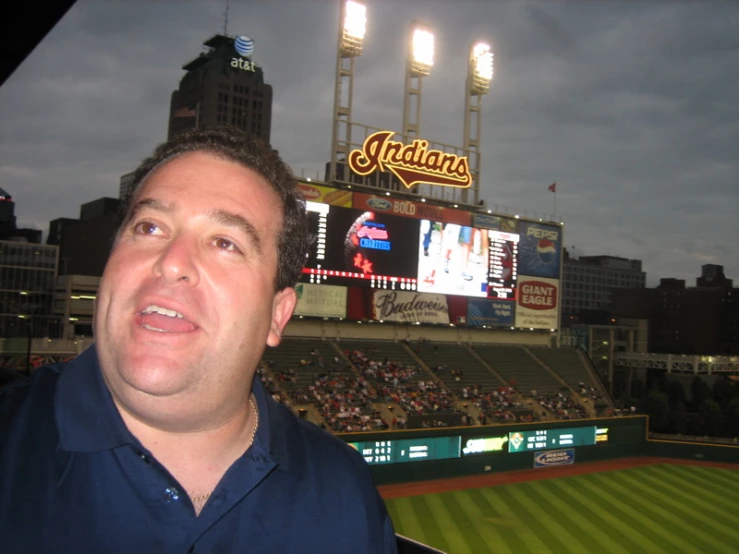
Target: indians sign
413,163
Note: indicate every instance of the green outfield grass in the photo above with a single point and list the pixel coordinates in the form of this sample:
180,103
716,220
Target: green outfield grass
668,509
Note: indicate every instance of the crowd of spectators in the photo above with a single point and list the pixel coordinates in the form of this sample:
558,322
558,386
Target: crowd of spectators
403,384
561,405
588,391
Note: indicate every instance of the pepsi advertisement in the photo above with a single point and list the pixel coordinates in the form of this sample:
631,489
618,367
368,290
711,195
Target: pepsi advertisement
356,247
539,248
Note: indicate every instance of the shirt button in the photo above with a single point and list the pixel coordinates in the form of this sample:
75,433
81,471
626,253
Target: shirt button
144,457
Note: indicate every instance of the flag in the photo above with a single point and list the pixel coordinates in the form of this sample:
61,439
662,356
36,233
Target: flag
552,187
185,112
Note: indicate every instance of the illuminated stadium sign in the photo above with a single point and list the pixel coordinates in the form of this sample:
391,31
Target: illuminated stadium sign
413,163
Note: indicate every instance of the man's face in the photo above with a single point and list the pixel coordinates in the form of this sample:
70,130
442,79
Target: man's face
187,301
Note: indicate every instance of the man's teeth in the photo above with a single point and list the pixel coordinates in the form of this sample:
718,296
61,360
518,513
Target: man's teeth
162,311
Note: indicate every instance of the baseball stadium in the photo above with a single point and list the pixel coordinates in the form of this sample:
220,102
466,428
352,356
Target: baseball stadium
428,335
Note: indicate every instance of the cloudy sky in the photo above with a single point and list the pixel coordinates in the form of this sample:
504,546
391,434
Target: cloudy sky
631,107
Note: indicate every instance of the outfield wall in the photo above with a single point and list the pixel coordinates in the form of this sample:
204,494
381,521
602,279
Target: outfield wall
692,451
626,436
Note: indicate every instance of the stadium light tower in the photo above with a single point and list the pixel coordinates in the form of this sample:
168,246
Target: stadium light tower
352,28
419,63
479,77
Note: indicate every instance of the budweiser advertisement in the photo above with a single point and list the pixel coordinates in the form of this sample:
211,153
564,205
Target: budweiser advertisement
325,195
537,303
320,300
409,307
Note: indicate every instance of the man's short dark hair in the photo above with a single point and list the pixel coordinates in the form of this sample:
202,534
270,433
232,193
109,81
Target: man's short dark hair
234,145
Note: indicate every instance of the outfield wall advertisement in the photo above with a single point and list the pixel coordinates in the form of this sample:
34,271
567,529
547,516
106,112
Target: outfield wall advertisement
536,307
326,195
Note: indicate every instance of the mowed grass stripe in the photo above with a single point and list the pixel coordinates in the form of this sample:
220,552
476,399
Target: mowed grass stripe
717,501
427,518
606,529
637,480
704,480
724,477
548,492
523,515
545,519
710,515
477,511
631,516
511,530
467,519
655,513
448,524
404,518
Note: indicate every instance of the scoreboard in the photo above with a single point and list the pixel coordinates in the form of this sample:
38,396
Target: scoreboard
503,259
547,439
355,247
408,450
443,448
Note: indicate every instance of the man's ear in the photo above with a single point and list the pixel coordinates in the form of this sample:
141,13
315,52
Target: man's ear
282,309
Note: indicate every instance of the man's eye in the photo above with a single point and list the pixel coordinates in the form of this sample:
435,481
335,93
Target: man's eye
145,228
225,244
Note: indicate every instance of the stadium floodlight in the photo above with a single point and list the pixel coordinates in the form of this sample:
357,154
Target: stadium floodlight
422,50
354,26
481,67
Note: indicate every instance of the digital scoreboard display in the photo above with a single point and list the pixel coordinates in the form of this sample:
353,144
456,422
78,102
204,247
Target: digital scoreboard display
355,247
546,439
503,260
409,450
444,448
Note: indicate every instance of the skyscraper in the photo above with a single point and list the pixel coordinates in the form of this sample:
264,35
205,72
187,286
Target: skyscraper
223,86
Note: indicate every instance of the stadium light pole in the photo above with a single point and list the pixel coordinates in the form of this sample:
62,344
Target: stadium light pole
479,77
352,28
419,62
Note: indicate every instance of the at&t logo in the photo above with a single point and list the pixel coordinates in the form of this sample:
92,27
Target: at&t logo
244,46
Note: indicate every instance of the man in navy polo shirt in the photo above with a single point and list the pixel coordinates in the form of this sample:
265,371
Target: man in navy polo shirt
158,439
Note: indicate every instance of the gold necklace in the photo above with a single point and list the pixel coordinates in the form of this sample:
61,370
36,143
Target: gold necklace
203,497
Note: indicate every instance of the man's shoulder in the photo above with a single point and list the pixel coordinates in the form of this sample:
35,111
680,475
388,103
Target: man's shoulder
32,396
319,451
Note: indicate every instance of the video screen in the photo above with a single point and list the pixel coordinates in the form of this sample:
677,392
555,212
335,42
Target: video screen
356,247
503,270
452,259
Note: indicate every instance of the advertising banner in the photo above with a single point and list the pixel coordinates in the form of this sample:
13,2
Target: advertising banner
490,312
408,208
539,250
495,222
536,306
409,307
320,300
326,195
554,458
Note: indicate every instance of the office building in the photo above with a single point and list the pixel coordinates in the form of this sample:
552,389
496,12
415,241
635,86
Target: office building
588,283
700,320
27,273
223,86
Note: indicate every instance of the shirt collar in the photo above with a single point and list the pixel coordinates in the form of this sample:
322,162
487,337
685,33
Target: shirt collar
88,419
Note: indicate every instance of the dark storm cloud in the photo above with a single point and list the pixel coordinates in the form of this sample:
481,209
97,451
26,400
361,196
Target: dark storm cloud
629,106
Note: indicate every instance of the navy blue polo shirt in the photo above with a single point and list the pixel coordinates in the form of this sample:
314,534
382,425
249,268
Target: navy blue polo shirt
74,479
